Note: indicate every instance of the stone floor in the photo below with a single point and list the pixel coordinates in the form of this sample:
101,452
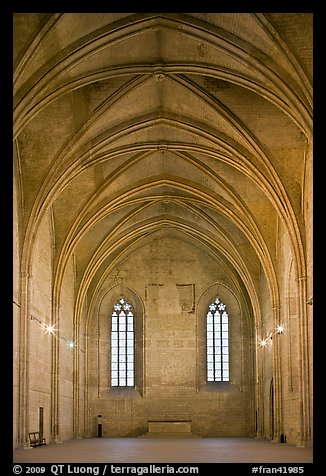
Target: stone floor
165,450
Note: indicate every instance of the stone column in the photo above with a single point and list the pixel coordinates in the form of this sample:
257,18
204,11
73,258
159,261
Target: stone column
277,380
55,381
304,410
23,396
260,365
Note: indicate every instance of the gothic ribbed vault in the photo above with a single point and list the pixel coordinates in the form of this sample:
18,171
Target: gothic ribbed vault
131,127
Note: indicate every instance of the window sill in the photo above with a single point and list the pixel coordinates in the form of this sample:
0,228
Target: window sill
121,392
219,387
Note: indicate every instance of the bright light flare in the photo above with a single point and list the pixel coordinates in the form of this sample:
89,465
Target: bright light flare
280,329
263,343
49,329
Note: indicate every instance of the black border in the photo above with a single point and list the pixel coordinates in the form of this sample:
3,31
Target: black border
6,31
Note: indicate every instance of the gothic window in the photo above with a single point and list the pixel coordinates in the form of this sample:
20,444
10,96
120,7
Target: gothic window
217,342
122,344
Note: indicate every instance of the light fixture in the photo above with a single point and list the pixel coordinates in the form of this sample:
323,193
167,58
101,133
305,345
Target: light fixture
49,329
71,344
280,329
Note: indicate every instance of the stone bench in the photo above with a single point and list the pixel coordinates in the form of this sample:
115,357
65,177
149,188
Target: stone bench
169,426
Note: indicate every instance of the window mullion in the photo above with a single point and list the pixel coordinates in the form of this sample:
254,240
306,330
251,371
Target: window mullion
118,345
217,342
221,346
122,345
214,353
126,361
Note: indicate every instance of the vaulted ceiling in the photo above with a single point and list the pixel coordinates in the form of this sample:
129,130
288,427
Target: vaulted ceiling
130,125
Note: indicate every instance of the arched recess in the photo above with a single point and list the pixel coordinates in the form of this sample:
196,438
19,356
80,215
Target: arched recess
146,404
17,325
291,366
36,345
242,351
241,336
98,390
84,288
136,237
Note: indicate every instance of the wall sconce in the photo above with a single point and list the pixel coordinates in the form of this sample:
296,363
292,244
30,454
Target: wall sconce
263,343
280,329
51,329
71,344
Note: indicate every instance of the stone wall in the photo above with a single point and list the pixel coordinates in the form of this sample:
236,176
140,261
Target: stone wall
280,361
39,347
289,349
309,223
66,353
170,283
174,284
16,315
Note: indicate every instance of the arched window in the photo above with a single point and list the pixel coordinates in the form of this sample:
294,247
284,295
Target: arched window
217,342
122,344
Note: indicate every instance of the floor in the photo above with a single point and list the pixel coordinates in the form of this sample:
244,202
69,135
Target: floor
165,450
